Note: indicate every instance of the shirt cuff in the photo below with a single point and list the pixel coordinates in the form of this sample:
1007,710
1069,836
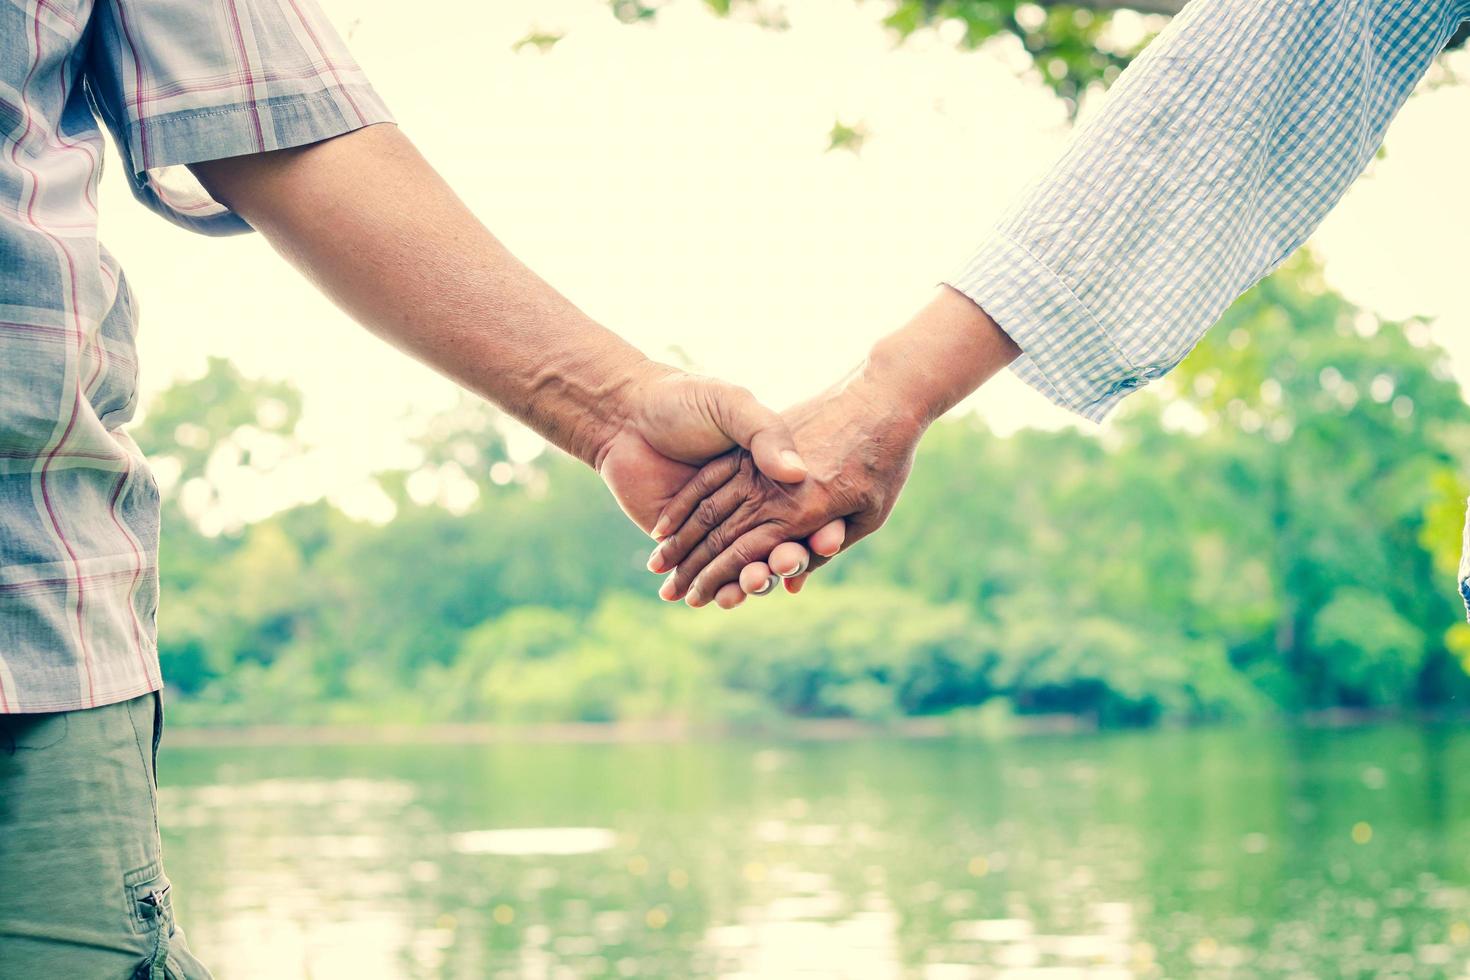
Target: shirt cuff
1066,354
159,146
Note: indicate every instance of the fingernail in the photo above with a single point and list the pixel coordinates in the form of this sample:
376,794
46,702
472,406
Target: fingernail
771,581
661,529
791,459
666,591
656,561
797,570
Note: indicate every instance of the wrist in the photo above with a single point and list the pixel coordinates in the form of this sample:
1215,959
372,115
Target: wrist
887,402
942,355
618,409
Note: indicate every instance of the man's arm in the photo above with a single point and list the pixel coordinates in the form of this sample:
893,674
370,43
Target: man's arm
368,220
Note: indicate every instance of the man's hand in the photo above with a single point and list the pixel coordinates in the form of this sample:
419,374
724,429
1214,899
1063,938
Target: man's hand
859,441
731,515
672,423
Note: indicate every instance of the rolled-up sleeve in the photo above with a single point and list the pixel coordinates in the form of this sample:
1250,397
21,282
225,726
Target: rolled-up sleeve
1215,156
182,81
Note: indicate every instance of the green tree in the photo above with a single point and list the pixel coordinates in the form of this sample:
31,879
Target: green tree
191,432
1344,429
1071,44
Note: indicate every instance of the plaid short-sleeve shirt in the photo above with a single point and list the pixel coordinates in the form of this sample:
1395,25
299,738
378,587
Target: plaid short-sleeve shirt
177,81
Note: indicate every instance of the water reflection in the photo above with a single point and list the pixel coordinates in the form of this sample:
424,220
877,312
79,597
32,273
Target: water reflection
1208,854
534,840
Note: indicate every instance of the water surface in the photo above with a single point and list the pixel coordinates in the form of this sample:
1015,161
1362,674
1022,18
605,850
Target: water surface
1283,853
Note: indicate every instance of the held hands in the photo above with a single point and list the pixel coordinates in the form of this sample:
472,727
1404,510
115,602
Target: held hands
427,276
732,525
736,520
670,423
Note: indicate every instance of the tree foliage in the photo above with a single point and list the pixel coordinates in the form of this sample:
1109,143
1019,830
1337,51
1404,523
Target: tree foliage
1073,45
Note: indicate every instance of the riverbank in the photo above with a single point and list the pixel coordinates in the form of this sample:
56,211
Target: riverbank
809,729
799,729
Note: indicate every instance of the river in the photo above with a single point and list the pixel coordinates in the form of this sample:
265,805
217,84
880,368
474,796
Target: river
1213,853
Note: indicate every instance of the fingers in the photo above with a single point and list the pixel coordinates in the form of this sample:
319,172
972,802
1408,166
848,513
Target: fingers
760,580
711,567
729,596
728,564
829,538
828,541
760,430
825,543
789,558
709,513
756,579
710,478
728,558
714,542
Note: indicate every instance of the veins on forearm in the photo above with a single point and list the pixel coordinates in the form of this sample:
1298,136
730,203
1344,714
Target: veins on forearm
577,400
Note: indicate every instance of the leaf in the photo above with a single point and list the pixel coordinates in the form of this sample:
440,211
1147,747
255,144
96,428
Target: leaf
845,137
542,41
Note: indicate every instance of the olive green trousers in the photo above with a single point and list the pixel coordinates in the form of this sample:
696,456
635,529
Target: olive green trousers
83,895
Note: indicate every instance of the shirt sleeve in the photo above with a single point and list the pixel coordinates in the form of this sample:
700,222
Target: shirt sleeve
182,81
1215,156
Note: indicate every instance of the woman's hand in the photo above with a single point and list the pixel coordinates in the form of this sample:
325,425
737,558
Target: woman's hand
732,522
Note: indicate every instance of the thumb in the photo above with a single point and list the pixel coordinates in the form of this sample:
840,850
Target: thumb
758,429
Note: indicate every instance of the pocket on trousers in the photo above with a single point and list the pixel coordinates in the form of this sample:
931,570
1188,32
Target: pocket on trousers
150,913
149,898
42,731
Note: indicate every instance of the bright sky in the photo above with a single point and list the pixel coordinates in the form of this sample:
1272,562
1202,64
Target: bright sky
673,181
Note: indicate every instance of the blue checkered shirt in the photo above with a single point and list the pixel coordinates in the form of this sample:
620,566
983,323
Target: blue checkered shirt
1217,153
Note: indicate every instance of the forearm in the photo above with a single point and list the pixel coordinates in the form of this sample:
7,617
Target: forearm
374,226
926,367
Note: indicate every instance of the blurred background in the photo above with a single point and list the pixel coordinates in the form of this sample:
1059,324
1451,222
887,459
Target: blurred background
1181,695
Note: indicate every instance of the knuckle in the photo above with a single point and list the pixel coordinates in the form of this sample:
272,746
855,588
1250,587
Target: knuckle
847,486
716,540
690,394
713,476
701,485
811,514
722,394
707,514
705,400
